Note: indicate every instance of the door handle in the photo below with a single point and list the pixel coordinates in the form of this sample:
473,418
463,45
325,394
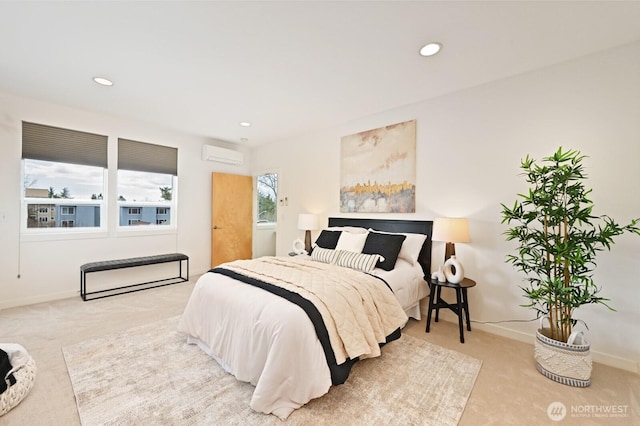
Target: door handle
216,227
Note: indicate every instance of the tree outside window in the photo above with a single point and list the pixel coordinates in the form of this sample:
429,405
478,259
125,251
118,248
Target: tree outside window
267,189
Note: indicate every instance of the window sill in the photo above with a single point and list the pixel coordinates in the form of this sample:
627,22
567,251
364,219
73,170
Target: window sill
27,237
266,226
125,231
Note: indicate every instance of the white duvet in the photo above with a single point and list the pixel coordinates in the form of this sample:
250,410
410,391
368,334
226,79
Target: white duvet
260,338
408,285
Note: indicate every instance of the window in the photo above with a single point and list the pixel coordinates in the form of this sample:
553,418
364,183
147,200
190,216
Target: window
147,178
64,174
267,190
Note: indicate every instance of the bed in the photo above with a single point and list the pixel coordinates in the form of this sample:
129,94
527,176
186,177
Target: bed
294,326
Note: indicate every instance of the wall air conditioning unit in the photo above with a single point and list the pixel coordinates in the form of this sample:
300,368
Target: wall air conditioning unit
222,155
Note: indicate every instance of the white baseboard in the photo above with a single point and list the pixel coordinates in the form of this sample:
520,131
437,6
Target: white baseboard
40,298
50,297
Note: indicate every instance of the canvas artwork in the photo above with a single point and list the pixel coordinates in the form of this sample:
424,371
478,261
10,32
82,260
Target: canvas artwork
378,170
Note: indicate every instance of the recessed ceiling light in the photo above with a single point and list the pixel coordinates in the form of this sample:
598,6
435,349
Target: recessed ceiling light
245,124
103,81
430,49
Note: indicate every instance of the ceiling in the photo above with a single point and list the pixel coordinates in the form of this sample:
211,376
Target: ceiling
288,68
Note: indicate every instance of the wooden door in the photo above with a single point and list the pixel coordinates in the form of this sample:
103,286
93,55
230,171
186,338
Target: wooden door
231,217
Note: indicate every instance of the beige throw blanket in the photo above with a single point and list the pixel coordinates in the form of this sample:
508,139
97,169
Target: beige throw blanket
359,310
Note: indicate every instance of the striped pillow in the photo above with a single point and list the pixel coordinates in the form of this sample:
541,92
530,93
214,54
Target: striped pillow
320,254
359,261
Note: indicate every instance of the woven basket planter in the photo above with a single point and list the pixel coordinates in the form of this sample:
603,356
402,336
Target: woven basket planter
566,363
25,377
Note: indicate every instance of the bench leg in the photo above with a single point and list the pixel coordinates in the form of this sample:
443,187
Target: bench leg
83,286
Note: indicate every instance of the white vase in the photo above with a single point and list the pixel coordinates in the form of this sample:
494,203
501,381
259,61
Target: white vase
440,275
449,266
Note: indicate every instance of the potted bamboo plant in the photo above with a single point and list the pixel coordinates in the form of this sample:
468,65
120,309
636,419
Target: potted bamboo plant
558,238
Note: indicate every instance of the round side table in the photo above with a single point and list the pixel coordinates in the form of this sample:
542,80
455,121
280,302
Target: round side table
460,308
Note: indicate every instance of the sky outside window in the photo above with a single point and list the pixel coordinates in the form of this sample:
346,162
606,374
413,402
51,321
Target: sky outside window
142,186
83,182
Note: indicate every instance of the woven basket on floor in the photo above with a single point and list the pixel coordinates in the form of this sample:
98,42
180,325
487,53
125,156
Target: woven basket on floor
25,377
566,363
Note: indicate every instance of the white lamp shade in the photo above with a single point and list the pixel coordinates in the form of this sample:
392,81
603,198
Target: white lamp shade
307,222
450,230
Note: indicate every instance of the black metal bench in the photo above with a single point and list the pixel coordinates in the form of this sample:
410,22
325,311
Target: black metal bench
130,263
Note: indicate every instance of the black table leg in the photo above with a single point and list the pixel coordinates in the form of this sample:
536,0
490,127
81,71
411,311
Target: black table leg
431,296
438,302
459,301
466,307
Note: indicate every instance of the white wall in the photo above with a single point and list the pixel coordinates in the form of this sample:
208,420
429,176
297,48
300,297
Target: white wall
49,269
469,149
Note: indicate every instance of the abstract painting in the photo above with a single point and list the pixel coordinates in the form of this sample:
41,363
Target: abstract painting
378,170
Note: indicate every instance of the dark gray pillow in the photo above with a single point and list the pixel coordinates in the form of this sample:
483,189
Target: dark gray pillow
386,245
328,239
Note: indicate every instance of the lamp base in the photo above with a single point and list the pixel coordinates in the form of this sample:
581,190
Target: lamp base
307,241
450,250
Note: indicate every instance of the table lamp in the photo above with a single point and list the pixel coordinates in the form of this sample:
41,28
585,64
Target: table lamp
450,230
307,222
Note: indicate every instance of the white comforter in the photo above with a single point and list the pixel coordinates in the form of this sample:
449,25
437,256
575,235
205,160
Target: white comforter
409,287
260,338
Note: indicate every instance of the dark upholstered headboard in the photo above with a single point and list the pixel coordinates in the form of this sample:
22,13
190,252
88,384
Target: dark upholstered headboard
390,225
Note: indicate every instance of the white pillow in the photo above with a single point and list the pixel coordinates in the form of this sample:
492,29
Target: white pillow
358,261
351,242
324,255
352,229
411,245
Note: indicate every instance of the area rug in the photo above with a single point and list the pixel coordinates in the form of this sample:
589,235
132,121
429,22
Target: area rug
149,375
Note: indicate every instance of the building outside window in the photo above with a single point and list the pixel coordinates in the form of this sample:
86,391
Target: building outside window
147,182
78,185
65,181
64,171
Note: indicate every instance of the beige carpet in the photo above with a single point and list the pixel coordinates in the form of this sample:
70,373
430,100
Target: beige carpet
148,374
